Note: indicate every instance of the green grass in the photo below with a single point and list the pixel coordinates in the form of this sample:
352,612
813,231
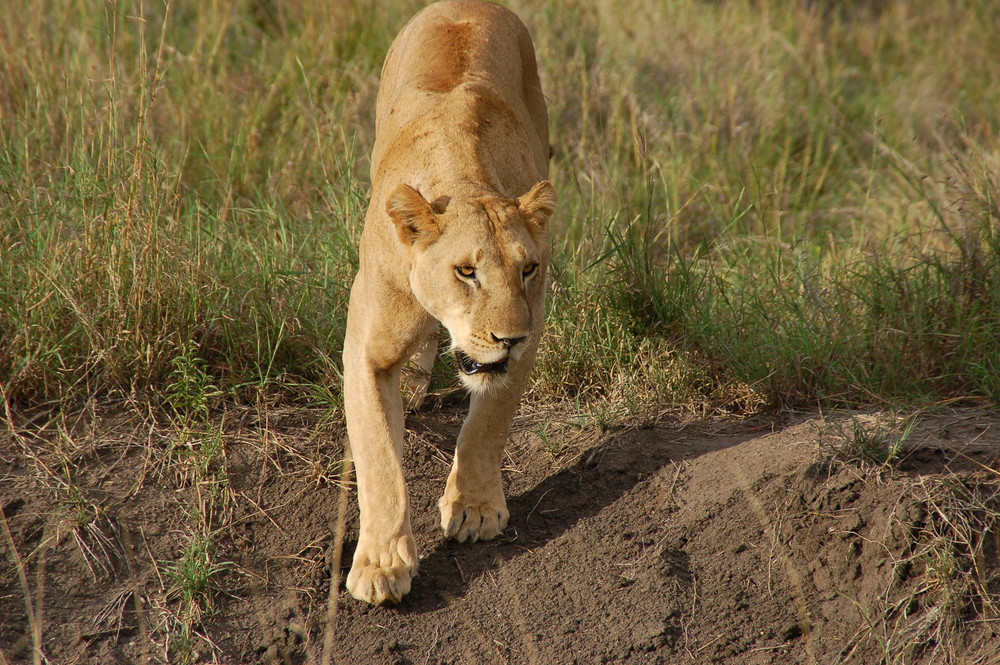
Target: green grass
761,204
191,577
872,443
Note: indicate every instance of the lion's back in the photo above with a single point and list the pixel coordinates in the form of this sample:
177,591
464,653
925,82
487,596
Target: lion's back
452,43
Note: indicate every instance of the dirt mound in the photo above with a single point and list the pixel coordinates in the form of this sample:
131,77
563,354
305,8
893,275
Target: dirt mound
781,540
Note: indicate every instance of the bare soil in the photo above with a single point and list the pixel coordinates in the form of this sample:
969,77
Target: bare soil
735,541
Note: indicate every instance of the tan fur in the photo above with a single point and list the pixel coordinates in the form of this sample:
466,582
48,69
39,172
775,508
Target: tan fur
458,182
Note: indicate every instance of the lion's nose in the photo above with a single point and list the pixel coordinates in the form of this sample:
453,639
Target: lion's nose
508,342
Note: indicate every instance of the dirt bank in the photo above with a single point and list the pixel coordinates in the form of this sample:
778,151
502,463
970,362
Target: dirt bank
745,541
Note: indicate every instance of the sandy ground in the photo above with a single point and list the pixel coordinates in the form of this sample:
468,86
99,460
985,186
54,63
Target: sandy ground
734,541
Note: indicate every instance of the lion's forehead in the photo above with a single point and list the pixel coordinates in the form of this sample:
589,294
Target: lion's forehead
507,247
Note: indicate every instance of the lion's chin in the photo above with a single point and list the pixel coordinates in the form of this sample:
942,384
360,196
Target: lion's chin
484,383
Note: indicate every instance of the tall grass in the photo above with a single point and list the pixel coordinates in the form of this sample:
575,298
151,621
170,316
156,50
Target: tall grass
801,201
175,175
760,203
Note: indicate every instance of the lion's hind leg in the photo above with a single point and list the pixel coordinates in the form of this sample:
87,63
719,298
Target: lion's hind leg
417,374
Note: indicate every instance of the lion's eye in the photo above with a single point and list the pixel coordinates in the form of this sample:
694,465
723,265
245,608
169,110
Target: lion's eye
466,272
529,270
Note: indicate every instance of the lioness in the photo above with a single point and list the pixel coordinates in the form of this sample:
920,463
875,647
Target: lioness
455,234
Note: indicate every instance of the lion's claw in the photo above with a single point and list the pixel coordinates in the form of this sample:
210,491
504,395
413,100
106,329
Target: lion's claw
472,522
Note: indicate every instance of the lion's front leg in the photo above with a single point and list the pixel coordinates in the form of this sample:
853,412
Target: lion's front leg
385,559
473,506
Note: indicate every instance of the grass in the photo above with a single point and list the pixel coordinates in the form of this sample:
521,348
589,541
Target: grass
875,443
791,206
191,577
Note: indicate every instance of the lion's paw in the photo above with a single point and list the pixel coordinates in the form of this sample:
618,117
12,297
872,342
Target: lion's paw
383,575
476,521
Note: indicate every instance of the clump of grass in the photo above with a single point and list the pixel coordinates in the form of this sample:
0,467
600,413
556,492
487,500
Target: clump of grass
190,388
198,456
97,538
552,444
192,577
870,442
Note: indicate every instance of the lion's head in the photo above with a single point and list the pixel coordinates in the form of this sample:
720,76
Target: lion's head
478,266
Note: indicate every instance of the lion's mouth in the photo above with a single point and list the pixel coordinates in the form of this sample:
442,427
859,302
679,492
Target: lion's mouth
469,366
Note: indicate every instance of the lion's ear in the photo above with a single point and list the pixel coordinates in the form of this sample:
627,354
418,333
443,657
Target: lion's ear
413,215
538,204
